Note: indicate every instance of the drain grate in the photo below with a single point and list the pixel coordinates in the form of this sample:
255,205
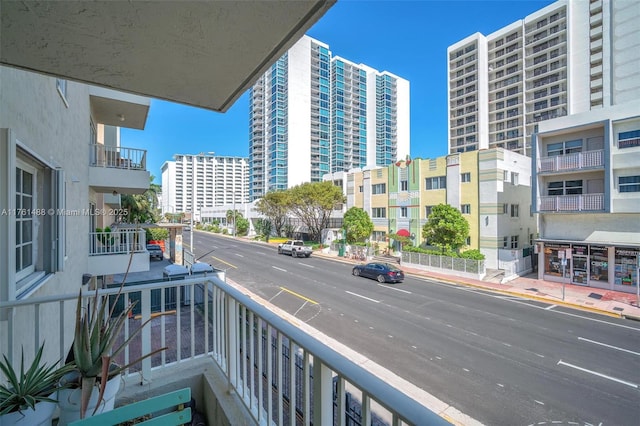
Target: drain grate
595,296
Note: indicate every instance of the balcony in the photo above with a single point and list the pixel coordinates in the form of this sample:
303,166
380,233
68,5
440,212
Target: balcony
239,357
119,169
572,162
571,203
109,253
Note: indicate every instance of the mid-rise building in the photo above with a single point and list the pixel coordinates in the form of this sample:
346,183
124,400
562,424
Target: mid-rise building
567,58
192,182
491,188
313,113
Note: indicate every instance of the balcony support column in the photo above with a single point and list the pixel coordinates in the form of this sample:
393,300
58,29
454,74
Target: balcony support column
322,394
232,342
145,311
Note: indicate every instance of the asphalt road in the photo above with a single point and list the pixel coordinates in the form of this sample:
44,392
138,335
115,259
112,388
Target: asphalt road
499,359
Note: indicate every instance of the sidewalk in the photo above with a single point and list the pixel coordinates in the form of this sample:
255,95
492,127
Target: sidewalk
607,302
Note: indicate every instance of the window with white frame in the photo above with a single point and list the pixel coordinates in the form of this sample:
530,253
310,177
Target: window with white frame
515,210
629,184
34,195
404,185
61,85
465,208
567,187
629,139
404,212
360,188
505,175
378,212
505,242
531,240
505,208
514,242
378,235
468,241
515,178
428,210
25,204
439,182
379,188
465,177
564,148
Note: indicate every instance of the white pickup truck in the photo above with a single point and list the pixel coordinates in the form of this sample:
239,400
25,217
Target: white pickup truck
295,248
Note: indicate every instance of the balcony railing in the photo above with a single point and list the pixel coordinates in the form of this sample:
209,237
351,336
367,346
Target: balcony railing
118,157
121,241
280,371
574,161
572,203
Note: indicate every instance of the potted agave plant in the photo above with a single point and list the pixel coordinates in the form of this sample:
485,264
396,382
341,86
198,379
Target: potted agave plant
94,381
29,396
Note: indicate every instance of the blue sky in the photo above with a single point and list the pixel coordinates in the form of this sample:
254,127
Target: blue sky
406,38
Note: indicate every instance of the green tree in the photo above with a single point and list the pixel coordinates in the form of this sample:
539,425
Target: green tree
263,228
446,228
142,208
357,224
233,217
242,226
313,202
275,206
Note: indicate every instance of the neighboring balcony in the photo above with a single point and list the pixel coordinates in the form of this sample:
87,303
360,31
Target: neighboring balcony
110,252
572,162
119,169
571,203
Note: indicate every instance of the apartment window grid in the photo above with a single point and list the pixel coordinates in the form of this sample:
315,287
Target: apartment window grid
378,236
515,178
515,210
505,242
468,241
404,185
514,242
439,182
25,202
379,188
465,208
428,210
629,184
404,212
465,177
568,187
629,139
379,212
505,208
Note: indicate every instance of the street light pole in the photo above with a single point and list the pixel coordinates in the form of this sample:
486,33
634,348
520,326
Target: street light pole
191,233
233,194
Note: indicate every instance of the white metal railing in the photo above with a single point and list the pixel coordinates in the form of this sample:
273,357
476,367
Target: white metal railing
119,241
574,161
118,157
444,262
571,203
281,373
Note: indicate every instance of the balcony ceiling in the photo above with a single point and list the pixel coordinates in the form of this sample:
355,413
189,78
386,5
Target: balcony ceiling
200,53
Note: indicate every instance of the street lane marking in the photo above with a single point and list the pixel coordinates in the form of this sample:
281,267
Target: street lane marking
238,254
396,289
595,373
306,299
304,264
364,297
550,307
226,263
609,346
279,269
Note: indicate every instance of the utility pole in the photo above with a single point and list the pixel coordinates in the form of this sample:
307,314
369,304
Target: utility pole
233,194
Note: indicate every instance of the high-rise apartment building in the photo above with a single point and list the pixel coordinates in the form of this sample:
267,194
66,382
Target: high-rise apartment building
567,58
313,113
192,182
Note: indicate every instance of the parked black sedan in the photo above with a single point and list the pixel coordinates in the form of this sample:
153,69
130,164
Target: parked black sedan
383,272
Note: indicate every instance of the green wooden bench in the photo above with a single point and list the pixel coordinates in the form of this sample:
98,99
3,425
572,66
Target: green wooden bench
170,409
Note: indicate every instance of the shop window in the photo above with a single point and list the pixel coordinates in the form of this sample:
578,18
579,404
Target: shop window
625,269
599,264
553,261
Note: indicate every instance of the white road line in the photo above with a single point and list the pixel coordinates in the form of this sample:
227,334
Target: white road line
300,308
550,307
609,346
359,295
595,373
396,289
238,254
538,402
279,269
307,265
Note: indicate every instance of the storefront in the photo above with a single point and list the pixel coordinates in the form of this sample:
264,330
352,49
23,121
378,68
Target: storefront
588,265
